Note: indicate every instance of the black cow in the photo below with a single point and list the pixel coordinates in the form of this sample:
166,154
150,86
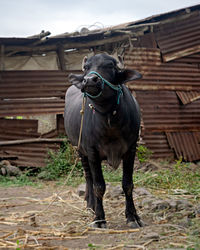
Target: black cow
110,129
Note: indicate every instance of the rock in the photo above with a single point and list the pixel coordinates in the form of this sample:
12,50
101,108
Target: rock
148,166
114,192
183,204
81,189
147,202
151,236
172,204
160,205
197,211
141,191
185,222
7,169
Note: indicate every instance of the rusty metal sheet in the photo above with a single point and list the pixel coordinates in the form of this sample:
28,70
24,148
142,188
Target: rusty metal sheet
157,75
32,154
158,144
31,106
24,125
180,38
32,92
161,111
13,129
32,84
188,96
25,154
185,144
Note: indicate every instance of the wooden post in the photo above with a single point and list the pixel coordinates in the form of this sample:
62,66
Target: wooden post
2,62
61,57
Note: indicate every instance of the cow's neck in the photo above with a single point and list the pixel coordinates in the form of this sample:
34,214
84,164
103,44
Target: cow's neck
108,110
105,107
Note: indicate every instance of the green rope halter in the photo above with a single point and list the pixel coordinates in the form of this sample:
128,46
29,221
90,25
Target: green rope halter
117,88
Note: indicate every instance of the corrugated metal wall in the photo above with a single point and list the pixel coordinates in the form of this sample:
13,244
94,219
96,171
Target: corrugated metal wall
180,38
24,154
29,93
162,94
32,92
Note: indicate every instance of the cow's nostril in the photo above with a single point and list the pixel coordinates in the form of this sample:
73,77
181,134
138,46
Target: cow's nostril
94,79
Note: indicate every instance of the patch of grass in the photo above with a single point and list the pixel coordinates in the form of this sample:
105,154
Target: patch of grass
194,234
111,175
143,154
178,176
22,180
60,163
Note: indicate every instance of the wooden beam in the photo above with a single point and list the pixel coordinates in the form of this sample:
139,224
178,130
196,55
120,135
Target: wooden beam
15,142
181,53
61,57
2,63
67,44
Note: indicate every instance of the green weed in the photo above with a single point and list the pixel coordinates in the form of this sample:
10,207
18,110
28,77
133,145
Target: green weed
22,180
178,176
143,154
60,163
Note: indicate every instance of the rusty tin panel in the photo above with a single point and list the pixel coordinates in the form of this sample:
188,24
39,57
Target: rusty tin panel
157,75
178,38
13,129
161,111
188,96
32,84
32,92
32,154
158,144
31,106
25,154
185,144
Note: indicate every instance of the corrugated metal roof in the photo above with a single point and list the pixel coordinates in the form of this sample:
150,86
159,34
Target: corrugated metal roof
180,39
188,96
185,144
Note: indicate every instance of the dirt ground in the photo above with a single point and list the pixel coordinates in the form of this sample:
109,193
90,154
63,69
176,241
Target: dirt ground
54,217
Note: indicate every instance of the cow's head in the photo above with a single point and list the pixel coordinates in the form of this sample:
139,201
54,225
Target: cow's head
100,67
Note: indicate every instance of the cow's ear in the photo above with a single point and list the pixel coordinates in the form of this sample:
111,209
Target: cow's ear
76,80
127,75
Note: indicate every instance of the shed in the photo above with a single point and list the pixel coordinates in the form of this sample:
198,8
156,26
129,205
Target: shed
164,48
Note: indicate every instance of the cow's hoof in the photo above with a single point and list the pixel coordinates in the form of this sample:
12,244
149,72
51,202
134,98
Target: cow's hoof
98,224
135,224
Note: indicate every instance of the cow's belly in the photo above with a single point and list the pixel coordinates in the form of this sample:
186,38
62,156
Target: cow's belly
113,152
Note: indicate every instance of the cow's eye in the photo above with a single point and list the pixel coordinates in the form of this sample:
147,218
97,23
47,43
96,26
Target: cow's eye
85,67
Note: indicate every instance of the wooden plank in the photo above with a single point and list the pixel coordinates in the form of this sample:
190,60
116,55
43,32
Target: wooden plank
14,142
181,53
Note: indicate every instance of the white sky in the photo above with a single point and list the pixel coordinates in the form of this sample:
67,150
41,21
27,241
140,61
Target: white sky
21,18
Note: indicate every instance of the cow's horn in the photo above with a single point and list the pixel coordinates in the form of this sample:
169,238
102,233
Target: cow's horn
120,62
83,62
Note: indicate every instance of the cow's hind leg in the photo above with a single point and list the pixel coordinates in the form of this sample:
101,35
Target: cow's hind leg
133,220
89,192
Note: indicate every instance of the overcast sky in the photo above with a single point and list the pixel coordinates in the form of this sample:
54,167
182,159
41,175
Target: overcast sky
21,18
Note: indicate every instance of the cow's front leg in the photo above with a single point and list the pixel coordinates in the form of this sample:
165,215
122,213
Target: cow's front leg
133,220
99,190
89,192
